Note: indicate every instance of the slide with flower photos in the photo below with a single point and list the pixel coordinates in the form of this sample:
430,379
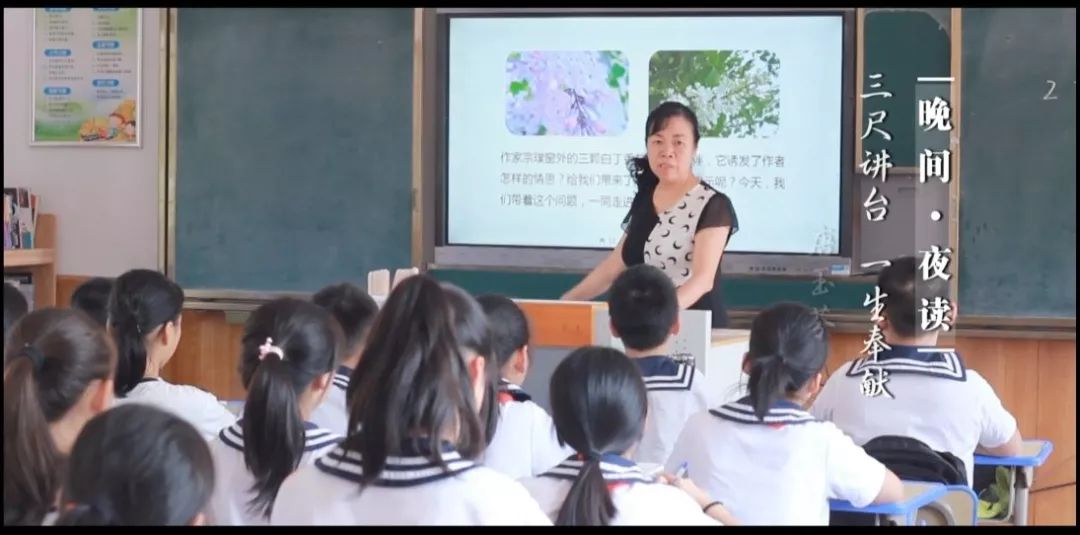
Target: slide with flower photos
543,113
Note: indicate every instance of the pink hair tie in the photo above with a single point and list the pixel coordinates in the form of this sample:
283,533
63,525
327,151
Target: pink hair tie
268,348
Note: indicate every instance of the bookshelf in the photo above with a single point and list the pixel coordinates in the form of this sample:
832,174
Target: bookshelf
40,261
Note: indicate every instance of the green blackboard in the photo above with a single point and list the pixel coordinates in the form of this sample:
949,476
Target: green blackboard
900,46
294,139
1018,168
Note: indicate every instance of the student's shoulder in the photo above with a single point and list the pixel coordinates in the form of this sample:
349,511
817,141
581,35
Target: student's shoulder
647,503
190,392
980,385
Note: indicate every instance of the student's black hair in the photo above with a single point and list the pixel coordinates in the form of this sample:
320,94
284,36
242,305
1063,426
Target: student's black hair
92,297
598,404
15,307
50,360
353,309
273,428
904,289
137,465
142,300
643,306
413,376
509,326
788,346
658,118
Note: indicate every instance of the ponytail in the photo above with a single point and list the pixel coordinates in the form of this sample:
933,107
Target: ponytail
141,301
308,343
273,431
52,356
599,404
769,380
413,376
788,346
131,347
589,501
32,465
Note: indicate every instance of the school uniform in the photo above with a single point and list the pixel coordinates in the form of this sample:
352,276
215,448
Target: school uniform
934,398
780,471
676,391
333,413
199,407
525,442
639,500
233,482
411,490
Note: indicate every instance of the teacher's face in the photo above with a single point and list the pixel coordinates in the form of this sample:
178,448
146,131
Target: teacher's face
671,150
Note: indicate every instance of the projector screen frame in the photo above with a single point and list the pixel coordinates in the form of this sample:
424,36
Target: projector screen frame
435,73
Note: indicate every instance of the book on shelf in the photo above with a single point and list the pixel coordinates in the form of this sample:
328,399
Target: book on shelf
20,218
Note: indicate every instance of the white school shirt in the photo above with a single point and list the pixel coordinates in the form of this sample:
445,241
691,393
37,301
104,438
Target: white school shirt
198,407
676,391
412,490
639,500
935,399
232,481
525,443
778,472
333,413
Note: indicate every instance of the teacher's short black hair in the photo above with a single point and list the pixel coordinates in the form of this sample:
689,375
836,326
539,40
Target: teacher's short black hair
904,288
643,307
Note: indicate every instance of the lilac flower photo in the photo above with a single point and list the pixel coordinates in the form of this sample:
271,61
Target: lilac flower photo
571,93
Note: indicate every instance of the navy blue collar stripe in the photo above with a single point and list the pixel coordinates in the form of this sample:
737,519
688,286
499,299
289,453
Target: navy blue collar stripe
314,438
742,413
619,470
398,471
932,364
515,391
682,380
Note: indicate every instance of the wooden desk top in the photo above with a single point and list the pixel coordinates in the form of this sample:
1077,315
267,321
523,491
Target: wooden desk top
721,337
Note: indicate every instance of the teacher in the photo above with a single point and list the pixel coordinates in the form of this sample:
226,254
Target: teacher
677,222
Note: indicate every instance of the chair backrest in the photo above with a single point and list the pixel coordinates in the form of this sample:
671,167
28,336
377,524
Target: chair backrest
958,507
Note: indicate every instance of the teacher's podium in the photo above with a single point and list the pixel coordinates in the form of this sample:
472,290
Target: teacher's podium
559,327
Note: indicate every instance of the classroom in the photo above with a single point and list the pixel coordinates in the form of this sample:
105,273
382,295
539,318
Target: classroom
629,266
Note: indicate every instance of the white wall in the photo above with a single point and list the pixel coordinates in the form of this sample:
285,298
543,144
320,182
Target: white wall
105,199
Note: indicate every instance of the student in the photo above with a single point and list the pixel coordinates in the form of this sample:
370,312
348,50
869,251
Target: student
58,373
144,319
354,311
599,402
289,351
415,402
769,461
92,297
525,443
644,312
15,307
137,465
928,394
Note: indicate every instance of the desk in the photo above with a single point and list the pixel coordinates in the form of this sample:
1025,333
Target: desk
917,494
1033,454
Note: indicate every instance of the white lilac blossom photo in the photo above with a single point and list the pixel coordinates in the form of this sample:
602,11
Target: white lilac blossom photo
736,93
566,93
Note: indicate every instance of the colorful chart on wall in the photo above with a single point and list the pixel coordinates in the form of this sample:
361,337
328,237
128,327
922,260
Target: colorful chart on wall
86,78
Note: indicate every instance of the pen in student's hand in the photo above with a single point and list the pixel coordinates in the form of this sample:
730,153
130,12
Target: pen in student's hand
681,472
